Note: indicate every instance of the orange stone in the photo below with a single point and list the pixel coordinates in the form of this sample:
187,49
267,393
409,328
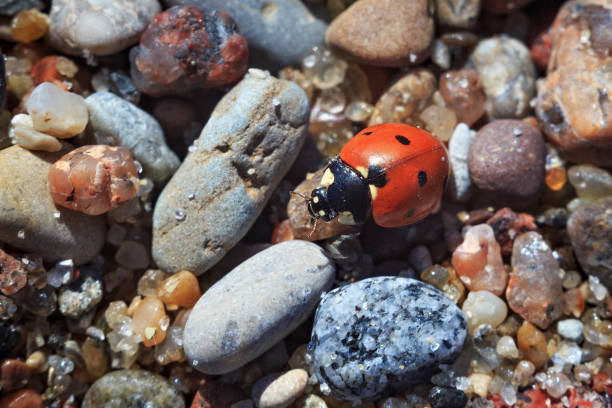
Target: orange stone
556,178
29,25
282,232
150,321
25,398
58,70
533,343
181,289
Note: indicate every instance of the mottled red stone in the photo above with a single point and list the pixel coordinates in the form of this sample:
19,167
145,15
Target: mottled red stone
540,50
601,383
507,225
215,394
189,47
13,276
94,179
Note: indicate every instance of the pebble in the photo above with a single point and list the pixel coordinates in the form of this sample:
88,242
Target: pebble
13,276
534,288
574,106
181,289
29,25
507,75
460,183
216,394
590,232
115,121
590,182
58,70
478,261
279,390
244,151
22,133
483,307
395,33
32,224
150,321
25,398
462,92
57,112
457,13
279,32
125,388
506,348
187,48
93,27
14,374
10,335
94,179
372,337
506,162
82,295
507,225
446,397
503,6
255,305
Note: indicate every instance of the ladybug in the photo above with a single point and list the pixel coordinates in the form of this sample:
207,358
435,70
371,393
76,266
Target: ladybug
394,171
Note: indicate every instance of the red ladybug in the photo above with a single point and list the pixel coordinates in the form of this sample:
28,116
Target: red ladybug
395,171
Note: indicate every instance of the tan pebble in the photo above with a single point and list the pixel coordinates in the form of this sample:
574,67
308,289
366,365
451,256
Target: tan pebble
480,384
279,390
181,289
483,307
533,343
37,361
133,305
22,133
150,321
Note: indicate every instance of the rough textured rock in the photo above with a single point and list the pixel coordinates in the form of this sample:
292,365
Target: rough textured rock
131,389
256,305
507,75
574,104
250,141
279,32
534,288
32,222
506,162
117,122
383,32
380,335
98,27
590,230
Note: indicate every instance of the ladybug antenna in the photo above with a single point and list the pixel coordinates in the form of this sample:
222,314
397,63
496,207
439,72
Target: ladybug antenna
314,227
299,195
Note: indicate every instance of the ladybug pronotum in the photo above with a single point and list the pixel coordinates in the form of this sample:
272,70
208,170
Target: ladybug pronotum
395,172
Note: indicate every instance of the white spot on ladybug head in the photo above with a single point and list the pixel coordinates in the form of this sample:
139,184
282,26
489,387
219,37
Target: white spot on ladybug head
346,218
373,191
315,199
327,179
321,213
363,171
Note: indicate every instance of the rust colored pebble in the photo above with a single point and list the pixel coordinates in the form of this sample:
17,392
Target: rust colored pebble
181,289
540,50
55,69
189,47
150,321
25,398
508,225
533,343
13,374
215,394
282,232
94,179
13,276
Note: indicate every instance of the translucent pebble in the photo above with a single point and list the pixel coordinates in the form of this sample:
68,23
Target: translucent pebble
522,373
332,100
115,313
132,255
61,273
301,358
462,92
149,282
22,133
311,401
570,329
590,182
556,178
532,342
150,321
599,291
440,121
506,347
358,111
483,307
508,394
29,25
295,75
61,365
557,384
56,112
8,308
567,353
478,261
181,289
435,275
323,68
480,384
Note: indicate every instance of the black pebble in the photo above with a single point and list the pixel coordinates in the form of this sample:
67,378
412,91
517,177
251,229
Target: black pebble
422,178
446,397
9,337
402,140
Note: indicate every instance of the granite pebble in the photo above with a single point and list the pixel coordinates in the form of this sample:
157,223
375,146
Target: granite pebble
248,145
256,305
381,335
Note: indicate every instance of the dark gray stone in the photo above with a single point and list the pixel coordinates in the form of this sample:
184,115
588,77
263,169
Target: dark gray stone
380,335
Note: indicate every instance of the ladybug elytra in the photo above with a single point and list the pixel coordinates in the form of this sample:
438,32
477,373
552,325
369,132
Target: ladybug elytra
394,171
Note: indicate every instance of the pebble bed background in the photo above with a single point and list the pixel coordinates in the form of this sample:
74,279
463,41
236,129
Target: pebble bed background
152,254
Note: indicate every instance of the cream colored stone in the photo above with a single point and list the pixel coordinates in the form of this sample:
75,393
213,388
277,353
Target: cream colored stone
22,133
279,390
484,307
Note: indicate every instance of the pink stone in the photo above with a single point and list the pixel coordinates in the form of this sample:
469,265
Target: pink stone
534,289
478,261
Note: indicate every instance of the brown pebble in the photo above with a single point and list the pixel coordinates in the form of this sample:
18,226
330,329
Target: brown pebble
533,343
94,179
282,232
25,398
462,92
13,374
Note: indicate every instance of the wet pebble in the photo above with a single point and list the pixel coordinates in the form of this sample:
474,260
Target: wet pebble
35,224
507,75
126,388
590,231
115,121
86,27
247,146
279,390
590,182
506,162
365,342
187,48
398,33
279,32
257,304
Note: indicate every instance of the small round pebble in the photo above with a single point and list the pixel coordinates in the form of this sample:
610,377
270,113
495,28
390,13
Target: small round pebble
279,390
590,182
446,397
570,329
131,389
483,307
380,335
506,347
186,48
94,179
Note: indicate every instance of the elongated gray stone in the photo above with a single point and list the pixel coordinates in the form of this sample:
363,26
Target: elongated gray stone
252,138
256,305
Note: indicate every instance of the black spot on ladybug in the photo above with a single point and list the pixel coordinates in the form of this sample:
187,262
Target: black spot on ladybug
376,176
367,133
403,140
410,212
422,176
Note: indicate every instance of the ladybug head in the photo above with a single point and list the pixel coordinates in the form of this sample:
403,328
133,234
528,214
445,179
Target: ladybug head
319,205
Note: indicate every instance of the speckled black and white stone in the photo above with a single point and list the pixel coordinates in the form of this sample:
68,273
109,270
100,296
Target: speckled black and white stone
379,335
